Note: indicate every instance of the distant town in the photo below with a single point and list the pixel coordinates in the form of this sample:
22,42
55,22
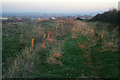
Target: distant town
20,19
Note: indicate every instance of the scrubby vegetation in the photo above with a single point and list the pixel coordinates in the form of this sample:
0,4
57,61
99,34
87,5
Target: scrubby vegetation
60,49
110,16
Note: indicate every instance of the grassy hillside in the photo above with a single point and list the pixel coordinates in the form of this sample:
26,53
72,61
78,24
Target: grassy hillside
60,49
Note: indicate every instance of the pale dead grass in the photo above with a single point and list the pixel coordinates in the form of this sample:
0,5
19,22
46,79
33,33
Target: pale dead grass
24,66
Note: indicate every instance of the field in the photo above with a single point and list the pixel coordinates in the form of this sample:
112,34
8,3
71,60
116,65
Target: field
60,49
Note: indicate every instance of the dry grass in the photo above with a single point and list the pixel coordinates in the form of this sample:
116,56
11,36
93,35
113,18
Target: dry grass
23,66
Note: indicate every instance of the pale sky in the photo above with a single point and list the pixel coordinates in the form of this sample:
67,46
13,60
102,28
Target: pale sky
58,5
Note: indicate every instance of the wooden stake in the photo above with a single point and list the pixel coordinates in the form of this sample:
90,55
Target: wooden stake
44,36
32,43
15,63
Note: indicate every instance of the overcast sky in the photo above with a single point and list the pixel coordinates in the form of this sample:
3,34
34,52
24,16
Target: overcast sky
58,5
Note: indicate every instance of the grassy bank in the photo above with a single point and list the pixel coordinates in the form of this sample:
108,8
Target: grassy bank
60,49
